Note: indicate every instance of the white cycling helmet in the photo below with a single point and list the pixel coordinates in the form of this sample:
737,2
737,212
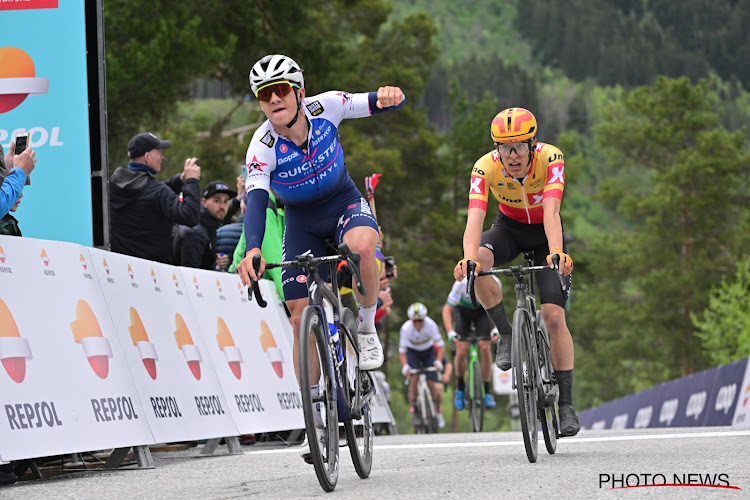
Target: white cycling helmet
275,67
417,311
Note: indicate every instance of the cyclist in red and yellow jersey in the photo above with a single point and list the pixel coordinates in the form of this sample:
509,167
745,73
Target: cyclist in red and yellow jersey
527,178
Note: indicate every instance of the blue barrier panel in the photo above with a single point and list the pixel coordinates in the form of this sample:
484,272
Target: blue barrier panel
725,394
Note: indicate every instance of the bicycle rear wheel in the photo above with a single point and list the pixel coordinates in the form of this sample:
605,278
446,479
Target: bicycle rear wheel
359,437
524,371
548,396
325,455
476,405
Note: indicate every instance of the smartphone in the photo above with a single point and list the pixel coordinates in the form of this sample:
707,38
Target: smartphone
389,264
22,141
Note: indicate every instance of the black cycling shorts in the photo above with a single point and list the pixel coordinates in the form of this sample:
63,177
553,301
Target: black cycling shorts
463,317
507,238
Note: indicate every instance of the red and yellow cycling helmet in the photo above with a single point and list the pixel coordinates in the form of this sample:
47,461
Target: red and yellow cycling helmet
513,125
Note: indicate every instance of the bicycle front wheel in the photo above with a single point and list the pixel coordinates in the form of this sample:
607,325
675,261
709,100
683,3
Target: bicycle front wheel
313,350
359,436
524,373
548,396
476,403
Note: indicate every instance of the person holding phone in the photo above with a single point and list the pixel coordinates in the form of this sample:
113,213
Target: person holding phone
142,209
15,170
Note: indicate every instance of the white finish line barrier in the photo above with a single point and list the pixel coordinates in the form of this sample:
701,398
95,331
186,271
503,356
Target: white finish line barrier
101,350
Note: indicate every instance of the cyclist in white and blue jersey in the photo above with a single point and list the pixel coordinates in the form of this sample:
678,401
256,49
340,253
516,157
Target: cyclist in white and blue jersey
297,152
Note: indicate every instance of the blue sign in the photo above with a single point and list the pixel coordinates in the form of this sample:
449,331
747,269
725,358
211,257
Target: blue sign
43,91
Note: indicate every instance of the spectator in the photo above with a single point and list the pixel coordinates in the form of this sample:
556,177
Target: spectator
9,224
144,210
228,235
271,247
196,246
14,179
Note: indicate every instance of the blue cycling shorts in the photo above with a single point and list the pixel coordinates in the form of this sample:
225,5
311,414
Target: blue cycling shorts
306,228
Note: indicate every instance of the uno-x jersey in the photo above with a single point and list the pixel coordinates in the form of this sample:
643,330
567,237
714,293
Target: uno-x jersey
300,178
521,201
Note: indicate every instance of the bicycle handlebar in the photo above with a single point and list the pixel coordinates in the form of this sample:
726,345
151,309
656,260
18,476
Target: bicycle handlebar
513,271
308,263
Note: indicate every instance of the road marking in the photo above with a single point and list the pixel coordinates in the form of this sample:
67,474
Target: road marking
570,440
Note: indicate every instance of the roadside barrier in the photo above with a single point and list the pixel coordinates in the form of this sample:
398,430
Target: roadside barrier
101,350
719,396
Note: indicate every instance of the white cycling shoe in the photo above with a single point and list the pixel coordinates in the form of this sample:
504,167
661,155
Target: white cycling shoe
370,351
304,450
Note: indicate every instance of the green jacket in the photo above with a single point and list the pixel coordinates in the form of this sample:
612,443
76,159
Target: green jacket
272,241
9,226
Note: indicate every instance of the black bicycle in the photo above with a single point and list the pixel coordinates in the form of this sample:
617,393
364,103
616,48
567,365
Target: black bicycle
533,375
328,346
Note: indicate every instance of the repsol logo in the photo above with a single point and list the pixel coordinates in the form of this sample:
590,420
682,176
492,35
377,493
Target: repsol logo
695,405
289,400
668,411
725,398
165,407
248,403
643,417
109,409
209,405
29,415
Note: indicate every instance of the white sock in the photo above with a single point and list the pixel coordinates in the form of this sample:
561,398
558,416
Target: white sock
367,318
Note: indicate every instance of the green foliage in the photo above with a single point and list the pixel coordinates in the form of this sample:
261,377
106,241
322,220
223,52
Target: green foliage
679,231
724,326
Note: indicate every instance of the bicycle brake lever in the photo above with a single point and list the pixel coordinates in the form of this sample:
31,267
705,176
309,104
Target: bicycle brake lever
470,267
556,263
254,287
353,259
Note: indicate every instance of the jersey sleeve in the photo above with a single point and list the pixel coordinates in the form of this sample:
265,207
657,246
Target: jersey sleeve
339,105
555,184
437,339
454,297
260,161
480,183
402,339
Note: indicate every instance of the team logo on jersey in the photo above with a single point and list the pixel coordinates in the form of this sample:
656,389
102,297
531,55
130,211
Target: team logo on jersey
478,186
268,139
495,156
255,164
345,96
283,148
315,108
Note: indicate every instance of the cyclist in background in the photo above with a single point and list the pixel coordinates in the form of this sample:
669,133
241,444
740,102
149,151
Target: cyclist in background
415,350
527,178
458,316
297,152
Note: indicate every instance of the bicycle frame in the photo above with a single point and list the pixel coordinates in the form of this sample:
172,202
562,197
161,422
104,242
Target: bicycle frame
318,291
424,395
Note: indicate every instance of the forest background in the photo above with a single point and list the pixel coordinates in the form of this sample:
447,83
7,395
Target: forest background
646,99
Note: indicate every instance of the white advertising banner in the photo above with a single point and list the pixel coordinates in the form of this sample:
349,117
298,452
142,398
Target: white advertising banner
64,384
173,373
502,380
250,349
742,410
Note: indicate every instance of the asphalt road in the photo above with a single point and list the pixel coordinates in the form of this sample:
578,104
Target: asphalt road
485,465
